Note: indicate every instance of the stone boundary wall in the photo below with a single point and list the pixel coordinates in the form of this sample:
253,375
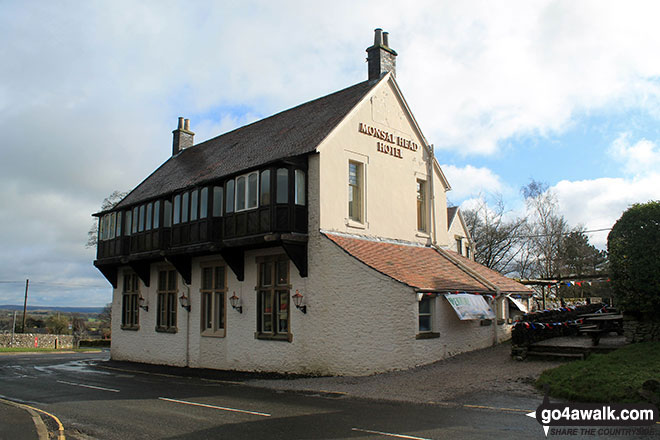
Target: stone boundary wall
43,340
641,331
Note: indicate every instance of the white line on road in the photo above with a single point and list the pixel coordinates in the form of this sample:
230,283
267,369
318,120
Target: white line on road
215,407
389,434
88,386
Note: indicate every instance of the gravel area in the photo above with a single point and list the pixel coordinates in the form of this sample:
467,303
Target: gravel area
489,370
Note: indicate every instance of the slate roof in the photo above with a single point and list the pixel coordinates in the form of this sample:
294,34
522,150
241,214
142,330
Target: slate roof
292,132
425,268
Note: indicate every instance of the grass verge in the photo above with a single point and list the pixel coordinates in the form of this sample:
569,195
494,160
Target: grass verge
607,378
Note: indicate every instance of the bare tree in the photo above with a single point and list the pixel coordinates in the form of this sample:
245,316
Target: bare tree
545,227
497,240
108,202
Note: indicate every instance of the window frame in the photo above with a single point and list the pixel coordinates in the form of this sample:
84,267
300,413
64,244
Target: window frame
422,205
431,299
167,304
213,292
275,292
245,197
130,310
356,189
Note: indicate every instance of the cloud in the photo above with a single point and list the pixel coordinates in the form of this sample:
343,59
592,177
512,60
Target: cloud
470,181
640,158
599,203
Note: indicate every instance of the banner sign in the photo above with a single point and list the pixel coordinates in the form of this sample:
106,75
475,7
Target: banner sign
469,306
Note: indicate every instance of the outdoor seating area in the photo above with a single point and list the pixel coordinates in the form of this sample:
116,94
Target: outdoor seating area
536,333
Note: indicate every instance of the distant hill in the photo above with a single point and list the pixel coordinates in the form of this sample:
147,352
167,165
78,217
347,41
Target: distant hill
53,309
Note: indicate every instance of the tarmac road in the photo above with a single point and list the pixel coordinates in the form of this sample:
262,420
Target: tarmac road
97,399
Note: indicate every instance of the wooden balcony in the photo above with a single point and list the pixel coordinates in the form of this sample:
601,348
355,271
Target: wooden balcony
231,235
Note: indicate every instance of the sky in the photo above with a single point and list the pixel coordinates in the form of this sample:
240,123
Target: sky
563,92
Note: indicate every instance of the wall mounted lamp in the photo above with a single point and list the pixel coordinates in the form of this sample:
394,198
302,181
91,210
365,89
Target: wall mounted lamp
184,301
142,303
298,302
236,303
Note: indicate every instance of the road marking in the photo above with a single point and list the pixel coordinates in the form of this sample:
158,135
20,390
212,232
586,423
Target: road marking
88,386
389,434
255,413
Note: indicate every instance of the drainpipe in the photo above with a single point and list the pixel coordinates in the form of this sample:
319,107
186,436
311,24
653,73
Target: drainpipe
432,188
188,329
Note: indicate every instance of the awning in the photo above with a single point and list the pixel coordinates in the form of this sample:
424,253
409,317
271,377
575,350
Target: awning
521,305
469,306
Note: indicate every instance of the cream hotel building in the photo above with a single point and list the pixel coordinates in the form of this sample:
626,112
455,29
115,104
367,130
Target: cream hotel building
317,240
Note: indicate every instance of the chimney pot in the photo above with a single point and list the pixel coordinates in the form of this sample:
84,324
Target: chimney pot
378,37
385,35
186,124
180,123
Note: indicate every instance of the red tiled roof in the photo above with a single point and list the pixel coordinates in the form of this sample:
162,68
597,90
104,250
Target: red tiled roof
424,268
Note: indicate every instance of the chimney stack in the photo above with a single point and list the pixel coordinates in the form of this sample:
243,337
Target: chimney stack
183,137
380,57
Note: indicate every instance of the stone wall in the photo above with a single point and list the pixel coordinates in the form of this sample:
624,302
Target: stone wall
27,340
640,331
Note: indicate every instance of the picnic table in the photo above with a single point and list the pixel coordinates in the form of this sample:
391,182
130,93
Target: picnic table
601,324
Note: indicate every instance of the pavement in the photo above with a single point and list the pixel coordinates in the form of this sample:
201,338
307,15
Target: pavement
18,423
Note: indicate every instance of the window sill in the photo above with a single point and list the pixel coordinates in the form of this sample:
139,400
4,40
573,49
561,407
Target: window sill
427,335
274,337
422,234
212,334
166,329
130,327
355,224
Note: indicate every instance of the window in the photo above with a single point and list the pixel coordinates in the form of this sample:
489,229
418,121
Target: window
156,214
113,225
265,188
282,194
217,201
128,217
214,302
355,191
177,209
150,214
300,187
194,205
467,251
229,205
421,205
204,203
119,224
184,206
425,314
129,305
459,245
246,192
141,224
167,214
135,220
167,291
273,298
253,182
